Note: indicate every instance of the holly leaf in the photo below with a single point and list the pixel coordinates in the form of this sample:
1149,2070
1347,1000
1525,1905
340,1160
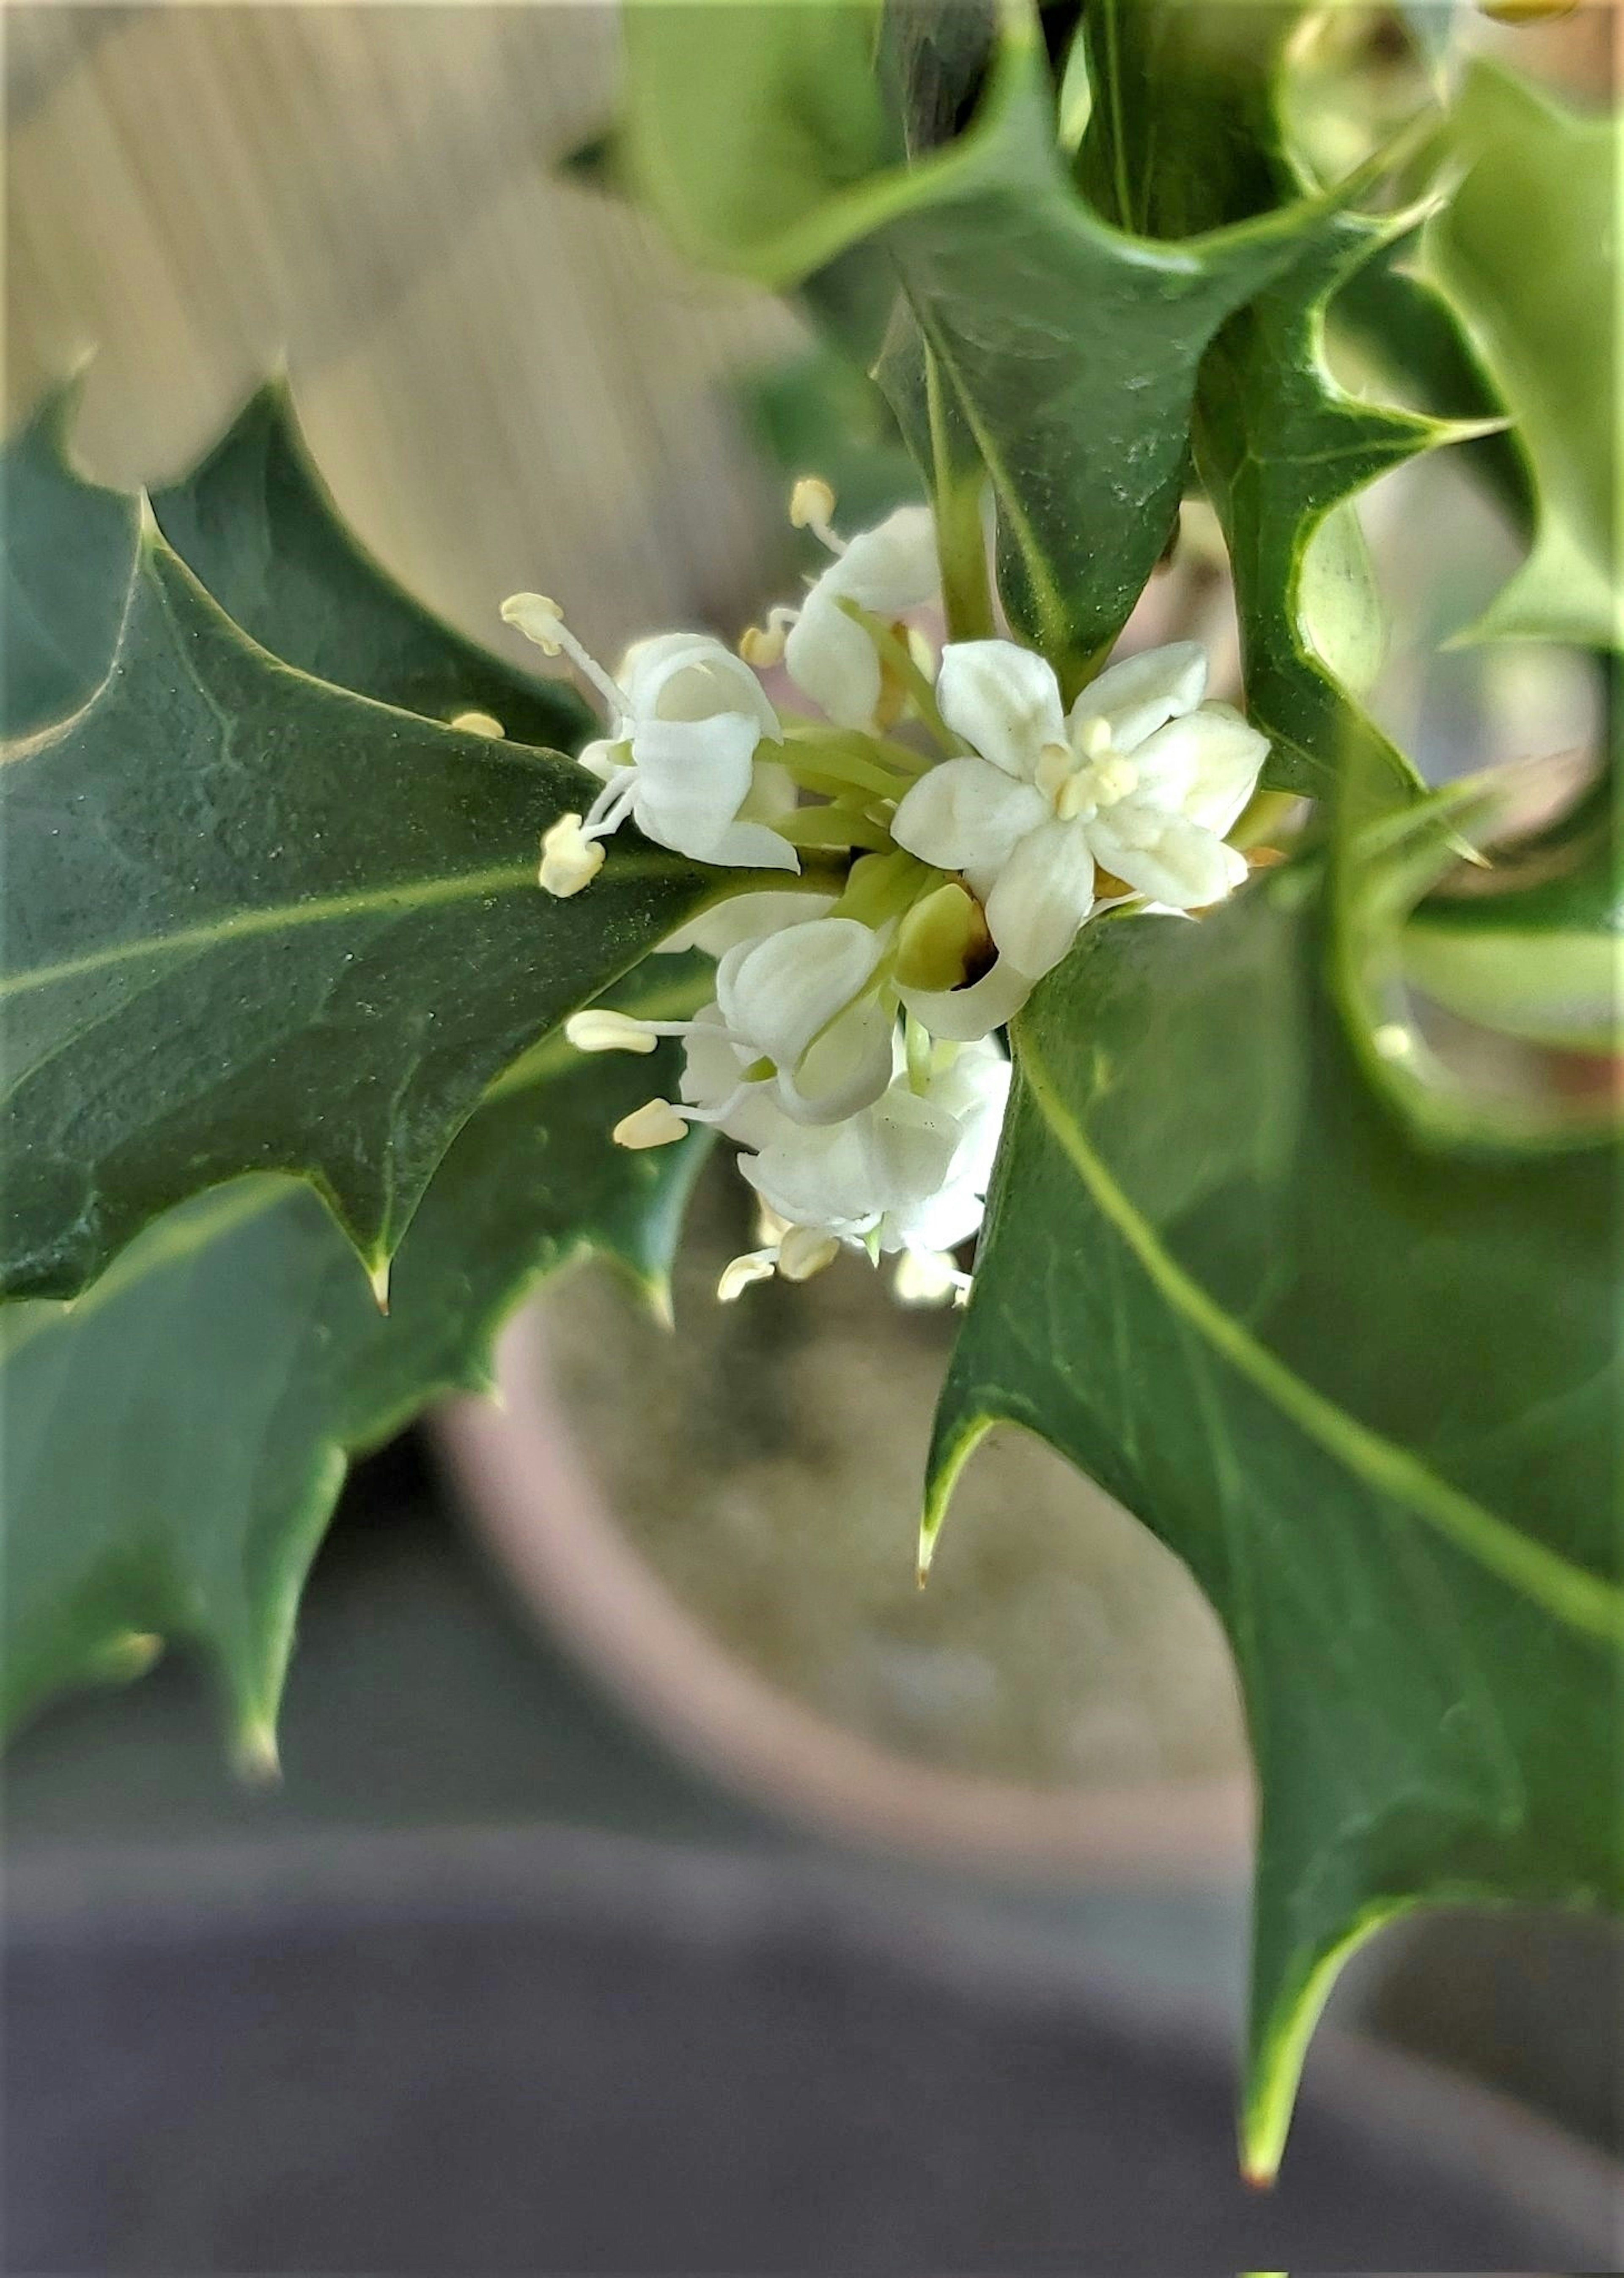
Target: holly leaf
176,1438
1367,1388
1526,249
256,527
66,547
1069,346
256,922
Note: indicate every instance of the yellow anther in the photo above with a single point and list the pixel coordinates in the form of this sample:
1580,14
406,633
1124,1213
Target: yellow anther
805,1250
1055,765
1113,779
570,860
479,723
812,503
762,646
537,618
655,1124
1092,737
604,1031
739,1272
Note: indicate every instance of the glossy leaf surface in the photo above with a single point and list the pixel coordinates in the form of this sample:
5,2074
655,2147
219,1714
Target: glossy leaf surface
1368,1390
254,923
176,1438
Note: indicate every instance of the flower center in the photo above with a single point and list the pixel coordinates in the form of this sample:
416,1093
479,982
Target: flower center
1080,779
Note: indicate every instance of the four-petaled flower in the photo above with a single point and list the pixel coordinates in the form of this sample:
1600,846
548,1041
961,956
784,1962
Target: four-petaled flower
1141,779
685,718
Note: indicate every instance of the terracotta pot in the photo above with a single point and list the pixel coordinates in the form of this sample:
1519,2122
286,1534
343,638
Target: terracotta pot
626,1542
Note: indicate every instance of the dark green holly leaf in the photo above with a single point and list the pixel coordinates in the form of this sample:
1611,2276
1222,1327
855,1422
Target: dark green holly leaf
1187,126
1527,248
175,1439
256,528
1070,347
66,551
1367,1388
255,923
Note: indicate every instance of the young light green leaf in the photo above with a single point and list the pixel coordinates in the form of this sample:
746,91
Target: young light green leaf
255,923
1527,247
176,1438
1369,1390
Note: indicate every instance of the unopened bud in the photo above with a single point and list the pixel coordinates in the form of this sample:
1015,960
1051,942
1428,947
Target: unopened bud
609,1032
939,938
656,1124
570,860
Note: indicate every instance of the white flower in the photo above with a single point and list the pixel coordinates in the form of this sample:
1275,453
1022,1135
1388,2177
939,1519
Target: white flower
1141,778
906,1175
796,1034
743,916
884,570
796,1006
687,717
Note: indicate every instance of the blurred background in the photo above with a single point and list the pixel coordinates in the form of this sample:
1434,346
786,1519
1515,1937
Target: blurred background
658,1880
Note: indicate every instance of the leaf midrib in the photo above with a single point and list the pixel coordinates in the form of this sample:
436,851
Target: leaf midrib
1581,1600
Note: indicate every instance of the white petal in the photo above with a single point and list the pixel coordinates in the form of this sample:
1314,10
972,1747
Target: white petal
1044,894
965,814
712,1068
845,1069
693,677
941,1222
744,917
832,661
965,1015
847,1176
692,779
889,569
754,846
1178,863
779,990
1204,766
975,1090
1005,701
1136,696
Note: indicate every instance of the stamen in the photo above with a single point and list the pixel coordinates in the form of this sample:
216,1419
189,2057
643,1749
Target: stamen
1092,737
1114,778
929,1277
739,1272
656,1124
480,723
812,503
806,1250
542,621
603,1031
612,805
762,645
570,860
1053,770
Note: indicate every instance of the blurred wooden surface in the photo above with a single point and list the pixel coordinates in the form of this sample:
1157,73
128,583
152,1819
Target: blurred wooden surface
507,378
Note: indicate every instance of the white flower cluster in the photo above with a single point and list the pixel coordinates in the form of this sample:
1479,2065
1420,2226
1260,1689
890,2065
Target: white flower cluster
977,823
